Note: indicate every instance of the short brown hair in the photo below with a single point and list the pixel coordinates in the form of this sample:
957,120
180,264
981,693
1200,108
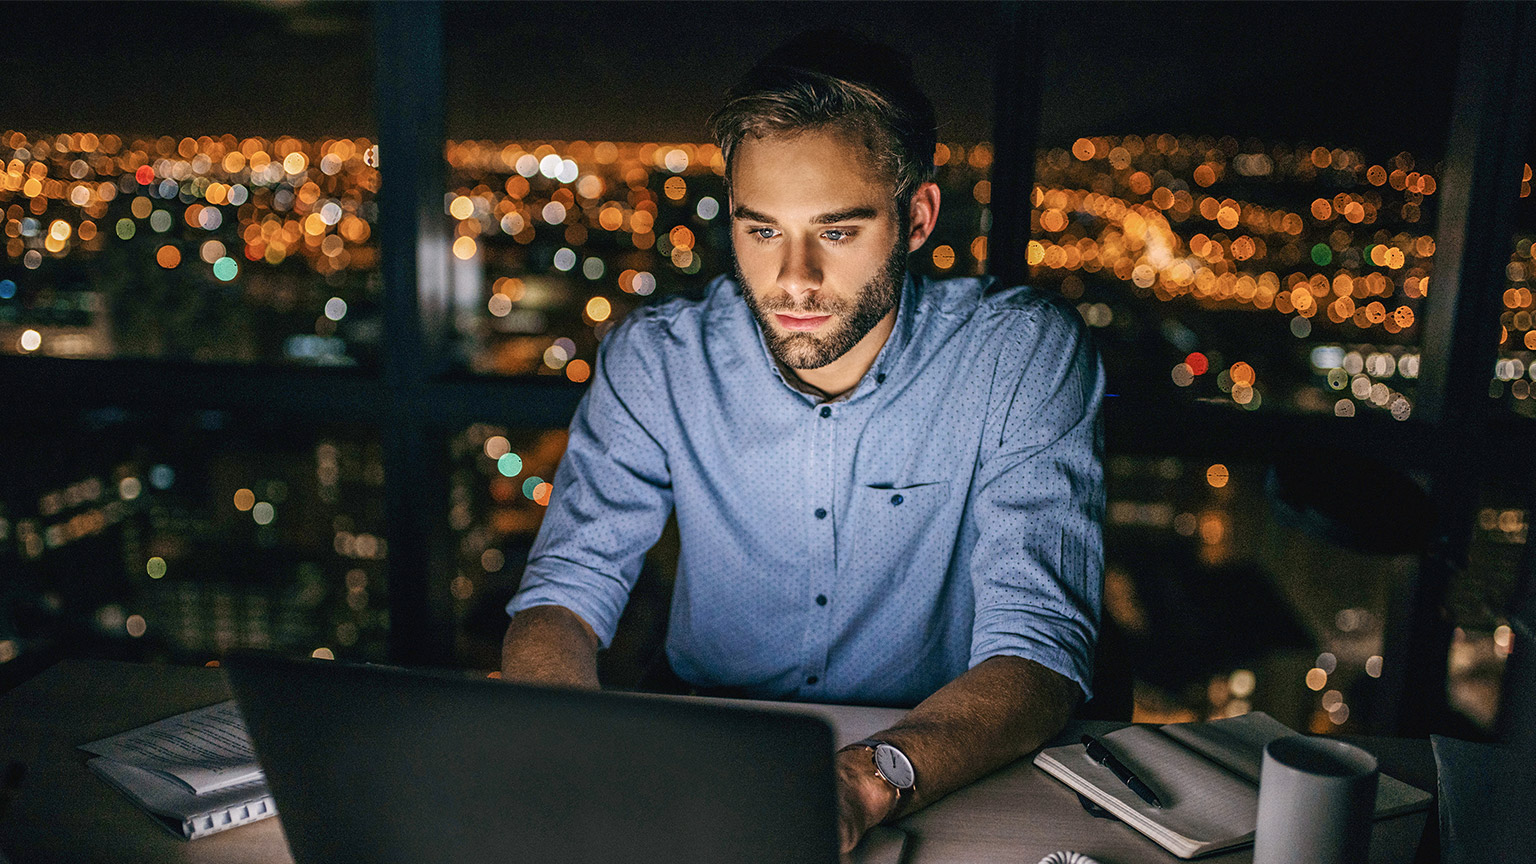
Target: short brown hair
839,80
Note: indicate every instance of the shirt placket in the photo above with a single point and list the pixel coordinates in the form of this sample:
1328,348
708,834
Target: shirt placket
822,462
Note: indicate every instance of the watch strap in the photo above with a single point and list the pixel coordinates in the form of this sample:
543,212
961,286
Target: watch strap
872,743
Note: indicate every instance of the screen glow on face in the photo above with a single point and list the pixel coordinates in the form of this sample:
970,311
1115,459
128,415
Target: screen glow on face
894,766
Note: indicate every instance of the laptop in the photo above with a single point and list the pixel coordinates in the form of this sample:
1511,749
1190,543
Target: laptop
375,764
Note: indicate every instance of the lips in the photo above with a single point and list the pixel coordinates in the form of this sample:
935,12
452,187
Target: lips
794,322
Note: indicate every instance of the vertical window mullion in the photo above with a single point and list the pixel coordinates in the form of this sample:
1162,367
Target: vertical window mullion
413,245
1016,128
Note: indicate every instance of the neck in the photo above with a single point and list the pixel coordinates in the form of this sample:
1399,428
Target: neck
844,373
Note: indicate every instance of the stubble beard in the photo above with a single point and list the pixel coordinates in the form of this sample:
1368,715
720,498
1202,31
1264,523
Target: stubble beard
854,318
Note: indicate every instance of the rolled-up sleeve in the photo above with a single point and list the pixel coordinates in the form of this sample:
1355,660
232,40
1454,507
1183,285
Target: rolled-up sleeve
1037,567
612,492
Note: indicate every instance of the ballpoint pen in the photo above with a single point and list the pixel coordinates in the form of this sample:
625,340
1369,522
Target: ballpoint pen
1100,754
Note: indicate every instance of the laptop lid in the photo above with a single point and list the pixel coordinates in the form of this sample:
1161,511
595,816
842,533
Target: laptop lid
374,764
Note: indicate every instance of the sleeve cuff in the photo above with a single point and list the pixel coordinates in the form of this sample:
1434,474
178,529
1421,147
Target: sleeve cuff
1049,654
540,592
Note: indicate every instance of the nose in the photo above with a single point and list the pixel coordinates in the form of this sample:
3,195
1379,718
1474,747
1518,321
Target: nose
799,271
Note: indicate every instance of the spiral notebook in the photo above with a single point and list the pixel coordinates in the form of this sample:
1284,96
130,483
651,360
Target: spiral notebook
196,773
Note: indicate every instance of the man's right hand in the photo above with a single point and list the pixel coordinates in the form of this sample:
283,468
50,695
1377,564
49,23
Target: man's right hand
550,645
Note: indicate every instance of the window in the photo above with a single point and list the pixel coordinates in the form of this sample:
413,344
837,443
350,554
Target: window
181,535
566,217
1253,241
215,206
1238,225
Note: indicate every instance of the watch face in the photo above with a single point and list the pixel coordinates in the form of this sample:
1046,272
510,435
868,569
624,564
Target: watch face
894,765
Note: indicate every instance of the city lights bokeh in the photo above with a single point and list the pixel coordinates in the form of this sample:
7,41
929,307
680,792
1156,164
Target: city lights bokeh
1261,276
558,240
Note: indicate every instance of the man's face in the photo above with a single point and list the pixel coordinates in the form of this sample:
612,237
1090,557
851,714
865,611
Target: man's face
819,250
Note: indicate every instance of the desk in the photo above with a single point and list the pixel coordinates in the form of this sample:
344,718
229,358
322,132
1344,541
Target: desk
64,813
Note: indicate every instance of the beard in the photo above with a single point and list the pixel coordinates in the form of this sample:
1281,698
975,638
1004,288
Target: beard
852,319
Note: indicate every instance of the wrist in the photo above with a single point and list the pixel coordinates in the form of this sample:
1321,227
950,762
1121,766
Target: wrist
877,799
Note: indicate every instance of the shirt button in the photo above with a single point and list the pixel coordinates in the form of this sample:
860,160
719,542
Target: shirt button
826,412
821,512
880,379
812,679
897,499
821,599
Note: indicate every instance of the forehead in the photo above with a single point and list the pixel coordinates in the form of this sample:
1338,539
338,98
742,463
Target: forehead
818,170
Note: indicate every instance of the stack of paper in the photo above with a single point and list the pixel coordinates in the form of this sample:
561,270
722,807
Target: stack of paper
196,772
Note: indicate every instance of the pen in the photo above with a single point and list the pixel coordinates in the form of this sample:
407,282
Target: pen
1100,754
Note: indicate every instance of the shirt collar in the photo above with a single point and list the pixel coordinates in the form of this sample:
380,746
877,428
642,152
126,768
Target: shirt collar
906,321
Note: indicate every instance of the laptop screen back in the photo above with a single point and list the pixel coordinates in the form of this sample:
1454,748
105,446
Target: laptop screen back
379,765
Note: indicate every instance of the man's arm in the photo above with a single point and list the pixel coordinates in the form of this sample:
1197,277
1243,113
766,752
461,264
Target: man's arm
999,710
612,493
550,645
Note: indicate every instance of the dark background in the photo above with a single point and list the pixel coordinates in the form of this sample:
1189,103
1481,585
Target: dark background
1372,75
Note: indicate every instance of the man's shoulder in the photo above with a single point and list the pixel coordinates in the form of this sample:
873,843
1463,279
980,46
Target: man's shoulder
682,309
1028,302
1017,310
673,323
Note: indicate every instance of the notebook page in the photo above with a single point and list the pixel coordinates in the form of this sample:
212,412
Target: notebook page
1201,801
206,749
169,798
1238,743
1235,742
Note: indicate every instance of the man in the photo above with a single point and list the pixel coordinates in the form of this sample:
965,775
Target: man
888,489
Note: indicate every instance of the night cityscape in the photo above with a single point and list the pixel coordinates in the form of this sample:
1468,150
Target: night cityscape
1264,277
1257,270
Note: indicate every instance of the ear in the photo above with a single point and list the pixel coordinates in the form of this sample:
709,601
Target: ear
924,215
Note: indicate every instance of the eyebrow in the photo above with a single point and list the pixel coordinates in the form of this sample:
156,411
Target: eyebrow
849,215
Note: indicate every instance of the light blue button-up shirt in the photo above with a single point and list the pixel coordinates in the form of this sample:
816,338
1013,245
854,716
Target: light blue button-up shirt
868,549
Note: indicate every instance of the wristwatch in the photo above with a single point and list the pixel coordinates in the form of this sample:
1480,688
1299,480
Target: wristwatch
891,765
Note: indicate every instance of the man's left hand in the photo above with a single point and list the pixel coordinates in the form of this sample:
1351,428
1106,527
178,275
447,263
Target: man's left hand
863,799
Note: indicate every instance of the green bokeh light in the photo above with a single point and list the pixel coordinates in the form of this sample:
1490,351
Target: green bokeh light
510,465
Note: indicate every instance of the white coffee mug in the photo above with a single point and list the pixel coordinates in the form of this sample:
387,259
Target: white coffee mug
1316,799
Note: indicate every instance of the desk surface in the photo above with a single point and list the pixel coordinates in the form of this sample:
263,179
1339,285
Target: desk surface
65,813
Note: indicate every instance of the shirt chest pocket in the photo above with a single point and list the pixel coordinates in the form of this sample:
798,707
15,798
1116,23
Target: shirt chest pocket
898,530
